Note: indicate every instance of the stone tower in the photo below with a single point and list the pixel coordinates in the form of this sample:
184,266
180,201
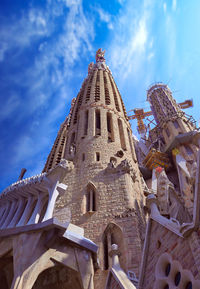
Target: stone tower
91,191
104,194
176,131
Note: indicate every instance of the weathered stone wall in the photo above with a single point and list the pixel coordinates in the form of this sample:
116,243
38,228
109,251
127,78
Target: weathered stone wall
99,143
116,194
186,251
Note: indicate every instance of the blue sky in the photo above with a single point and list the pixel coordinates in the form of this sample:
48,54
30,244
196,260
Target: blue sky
46,46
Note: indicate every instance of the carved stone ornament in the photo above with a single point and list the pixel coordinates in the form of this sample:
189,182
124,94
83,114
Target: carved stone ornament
126,166
100,55
111,168
72,150
66,164
90,66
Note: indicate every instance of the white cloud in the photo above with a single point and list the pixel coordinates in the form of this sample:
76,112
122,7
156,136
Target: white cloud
11,104
37,19
165,7
3,49
46,80
18,34
53,64
131,45
150,56
105,17
174,5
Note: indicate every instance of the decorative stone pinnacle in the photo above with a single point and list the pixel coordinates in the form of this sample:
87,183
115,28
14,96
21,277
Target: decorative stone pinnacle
114,247
114,253
100,55
114,250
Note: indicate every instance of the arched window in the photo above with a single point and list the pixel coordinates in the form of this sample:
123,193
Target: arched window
91,198
98,122
58,276
86,123
110,127
112,235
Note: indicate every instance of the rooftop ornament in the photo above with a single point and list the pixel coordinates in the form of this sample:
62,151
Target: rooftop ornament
100,55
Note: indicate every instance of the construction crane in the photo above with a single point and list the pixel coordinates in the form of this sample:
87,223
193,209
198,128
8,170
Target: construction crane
140,114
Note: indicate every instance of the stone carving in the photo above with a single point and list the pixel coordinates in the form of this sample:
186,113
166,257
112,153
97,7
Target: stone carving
100,55
68,165
163,184
111,168
112,162
169,202
72,150
90,66
127,213
125,165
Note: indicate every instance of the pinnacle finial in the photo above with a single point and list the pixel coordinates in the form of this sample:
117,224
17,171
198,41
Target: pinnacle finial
100,55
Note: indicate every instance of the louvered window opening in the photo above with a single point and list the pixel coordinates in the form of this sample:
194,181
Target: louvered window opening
97,88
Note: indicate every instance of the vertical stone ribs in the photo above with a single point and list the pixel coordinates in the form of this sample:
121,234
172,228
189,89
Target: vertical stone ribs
79,102
61,150
107,95
117,94
97,88
114,94
57,151
89,89
51,156
162,103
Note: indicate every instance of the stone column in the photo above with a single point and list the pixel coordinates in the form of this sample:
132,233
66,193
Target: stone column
6,212
53,194
18,213
38,209
26,214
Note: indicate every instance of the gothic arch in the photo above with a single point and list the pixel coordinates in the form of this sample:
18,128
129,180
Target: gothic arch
57,276
90,198
112,235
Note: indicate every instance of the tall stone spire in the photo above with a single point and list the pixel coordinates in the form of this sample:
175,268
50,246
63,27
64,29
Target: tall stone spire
104,186
98,116
176,131
163,104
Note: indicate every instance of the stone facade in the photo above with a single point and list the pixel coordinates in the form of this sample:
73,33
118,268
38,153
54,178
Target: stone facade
108,211
105,171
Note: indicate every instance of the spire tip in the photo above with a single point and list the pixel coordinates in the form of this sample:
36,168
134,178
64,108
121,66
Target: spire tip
100,55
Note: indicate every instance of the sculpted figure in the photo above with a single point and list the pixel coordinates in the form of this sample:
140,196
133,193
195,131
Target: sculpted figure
125,165
163,186
72,150
100,55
